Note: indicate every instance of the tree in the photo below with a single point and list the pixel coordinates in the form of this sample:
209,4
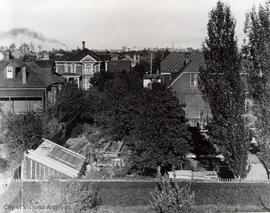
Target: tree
222,88
21,132
117,104
70,103
12,47
25,48
150,122
100,78
159,56
256,55
161,137
32,47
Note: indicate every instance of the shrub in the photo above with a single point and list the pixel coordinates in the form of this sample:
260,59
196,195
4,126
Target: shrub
74,196
3,165
82,197
169,197
51,127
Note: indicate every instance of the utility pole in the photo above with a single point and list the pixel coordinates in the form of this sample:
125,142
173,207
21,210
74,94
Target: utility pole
22,205
151,63
151,67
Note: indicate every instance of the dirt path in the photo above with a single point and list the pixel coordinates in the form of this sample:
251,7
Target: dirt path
257,171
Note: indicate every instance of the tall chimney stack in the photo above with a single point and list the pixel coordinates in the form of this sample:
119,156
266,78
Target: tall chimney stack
24,75
83,45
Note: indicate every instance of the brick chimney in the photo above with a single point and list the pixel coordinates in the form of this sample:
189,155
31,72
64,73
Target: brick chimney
24,75
83,45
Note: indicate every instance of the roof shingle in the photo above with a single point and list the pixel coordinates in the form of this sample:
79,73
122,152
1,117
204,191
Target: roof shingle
37,77
182,62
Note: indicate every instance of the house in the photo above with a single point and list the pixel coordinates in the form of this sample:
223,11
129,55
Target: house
4,55
80,66
149,79
181,71
131,56
26,86
43,55
51,160
119,66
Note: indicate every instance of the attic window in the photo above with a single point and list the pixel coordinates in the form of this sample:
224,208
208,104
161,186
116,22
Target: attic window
10,73
194,80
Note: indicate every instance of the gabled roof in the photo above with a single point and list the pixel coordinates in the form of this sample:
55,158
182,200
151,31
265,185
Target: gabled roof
45,63
47,74
178,61
152,76
104,55
58,158
77,56
37,77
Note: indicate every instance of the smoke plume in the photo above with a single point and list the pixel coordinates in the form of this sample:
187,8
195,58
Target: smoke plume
18,34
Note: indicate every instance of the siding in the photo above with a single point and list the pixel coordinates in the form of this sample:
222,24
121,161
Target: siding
18,105
60,68
195,107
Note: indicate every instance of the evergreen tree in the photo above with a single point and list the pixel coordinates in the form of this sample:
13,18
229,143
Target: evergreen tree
222,88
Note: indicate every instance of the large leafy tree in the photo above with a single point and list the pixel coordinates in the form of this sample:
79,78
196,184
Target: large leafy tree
70,103
161,134
117,104
21,132
150,122
222,88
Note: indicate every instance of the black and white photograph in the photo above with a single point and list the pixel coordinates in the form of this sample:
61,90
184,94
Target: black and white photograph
134,106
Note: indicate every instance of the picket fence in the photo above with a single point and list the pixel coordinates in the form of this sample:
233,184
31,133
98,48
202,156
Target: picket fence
7,181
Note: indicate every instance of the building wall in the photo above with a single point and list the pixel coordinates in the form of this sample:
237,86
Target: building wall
32,170
197,110
80,68
18,105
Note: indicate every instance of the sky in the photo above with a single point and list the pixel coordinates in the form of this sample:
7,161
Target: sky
111,24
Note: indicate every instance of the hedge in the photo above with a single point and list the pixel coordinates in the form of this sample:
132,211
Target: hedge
138,193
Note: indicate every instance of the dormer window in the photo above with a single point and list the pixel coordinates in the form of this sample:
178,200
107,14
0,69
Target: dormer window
10,73
193,80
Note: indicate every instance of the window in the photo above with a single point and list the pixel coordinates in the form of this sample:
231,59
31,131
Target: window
66,68
9,72
69,68
98,68
182,99
194,80
78,69
60,68
88,69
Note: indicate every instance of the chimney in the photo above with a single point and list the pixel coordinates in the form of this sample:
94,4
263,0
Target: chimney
83,45
24,75
187,58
